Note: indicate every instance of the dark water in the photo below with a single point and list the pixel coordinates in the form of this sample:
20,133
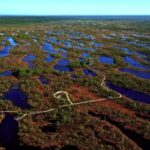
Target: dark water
140,55
63,62
49,59
9,132
144,75
43,80
29,59
89,72
6,73
81,59
134,63
106,60
132,94
5,51
49,48
11,41
74,76
63,68
18,98
85,55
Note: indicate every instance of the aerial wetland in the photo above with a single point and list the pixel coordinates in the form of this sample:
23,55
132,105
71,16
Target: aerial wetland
75,83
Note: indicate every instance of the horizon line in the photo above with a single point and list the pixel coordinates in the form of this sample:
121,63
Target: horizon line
75,15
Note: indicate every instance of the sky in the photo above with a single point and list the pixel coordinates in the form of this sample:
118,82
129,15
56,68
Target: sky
74,7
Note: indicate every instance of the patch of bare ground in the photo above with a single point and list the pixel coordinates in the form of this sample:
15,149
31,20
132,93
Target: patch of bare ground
16,61
80,93
117,115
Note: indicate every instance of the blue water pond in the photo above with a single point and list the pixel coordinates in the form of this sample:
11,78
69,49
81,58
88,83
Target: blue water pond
49,58
106,60
9,132
29,59
74,76
11,41
85,55
18,98
5,51
132,94
43,80
141,74
135,64
89,72
63,62
6,73
49,48
63,68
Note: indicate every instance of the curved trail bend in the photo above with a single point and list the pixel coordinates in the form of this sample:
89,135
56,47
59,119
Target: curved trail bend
58,96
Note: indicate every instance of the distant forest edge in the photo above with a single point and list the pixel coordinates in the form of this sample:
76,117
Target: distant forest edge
42,19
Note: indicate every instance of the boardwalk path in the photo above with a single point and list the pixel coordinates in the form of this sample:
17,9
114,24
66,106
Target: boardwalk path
58,95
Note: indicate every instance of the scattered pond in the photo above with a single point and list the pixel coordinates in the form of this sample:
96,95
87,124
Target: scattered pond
140,54
11,41
81,59
63,62
6,73
134,63
74,76
85,55
18,98
145,75
43,80
49,59
89,72
29,59
9,132
63,68
5,51
132,94
49,48
106,60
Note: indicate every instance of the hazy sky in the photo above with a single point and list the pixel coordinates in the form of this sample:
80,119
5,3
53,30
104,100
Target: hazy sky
74,7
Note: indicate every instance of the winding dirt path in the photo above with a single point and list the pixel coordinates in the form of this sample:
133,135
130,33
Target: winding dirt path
58,95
